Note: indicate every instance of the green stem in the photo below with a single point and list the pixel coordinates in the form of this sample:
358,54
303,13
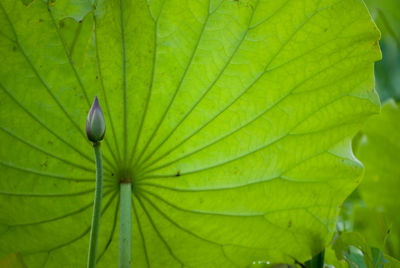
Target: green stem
316,261
125,225
94,233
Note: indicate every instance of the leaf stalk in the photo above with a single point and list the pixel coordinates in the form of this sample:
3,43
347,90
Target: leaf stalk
94,233
125,226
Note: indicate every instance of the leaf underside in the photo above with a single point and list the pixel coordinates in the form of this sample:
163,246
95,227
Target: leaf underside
232,118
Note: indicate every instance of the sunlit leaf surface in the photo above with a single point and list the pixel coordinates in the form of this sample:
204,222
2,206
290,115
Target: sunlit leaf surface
232,118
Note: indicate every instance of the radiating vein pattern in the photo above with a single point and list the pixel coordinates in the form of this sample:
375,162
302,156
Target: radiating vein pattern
233,119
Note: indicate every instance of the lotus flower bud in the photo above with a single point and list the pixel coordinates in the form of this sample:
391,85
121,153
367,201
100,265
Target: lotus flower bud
95,123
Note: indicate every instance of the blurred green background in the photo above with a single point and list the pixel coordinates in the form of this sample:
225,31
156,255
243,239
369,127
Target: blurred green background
386,14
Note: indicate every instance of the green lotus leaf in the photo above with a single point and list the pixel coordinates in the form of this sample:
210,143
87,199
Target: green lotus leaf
12,260
378,150
232,118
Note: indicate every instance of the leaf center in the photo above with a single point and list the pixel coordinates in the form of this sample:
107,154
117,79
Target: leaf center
125,176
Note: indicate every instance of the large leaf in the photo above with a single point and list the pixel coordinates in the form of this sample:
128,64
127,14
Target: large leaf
379,150
233,119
